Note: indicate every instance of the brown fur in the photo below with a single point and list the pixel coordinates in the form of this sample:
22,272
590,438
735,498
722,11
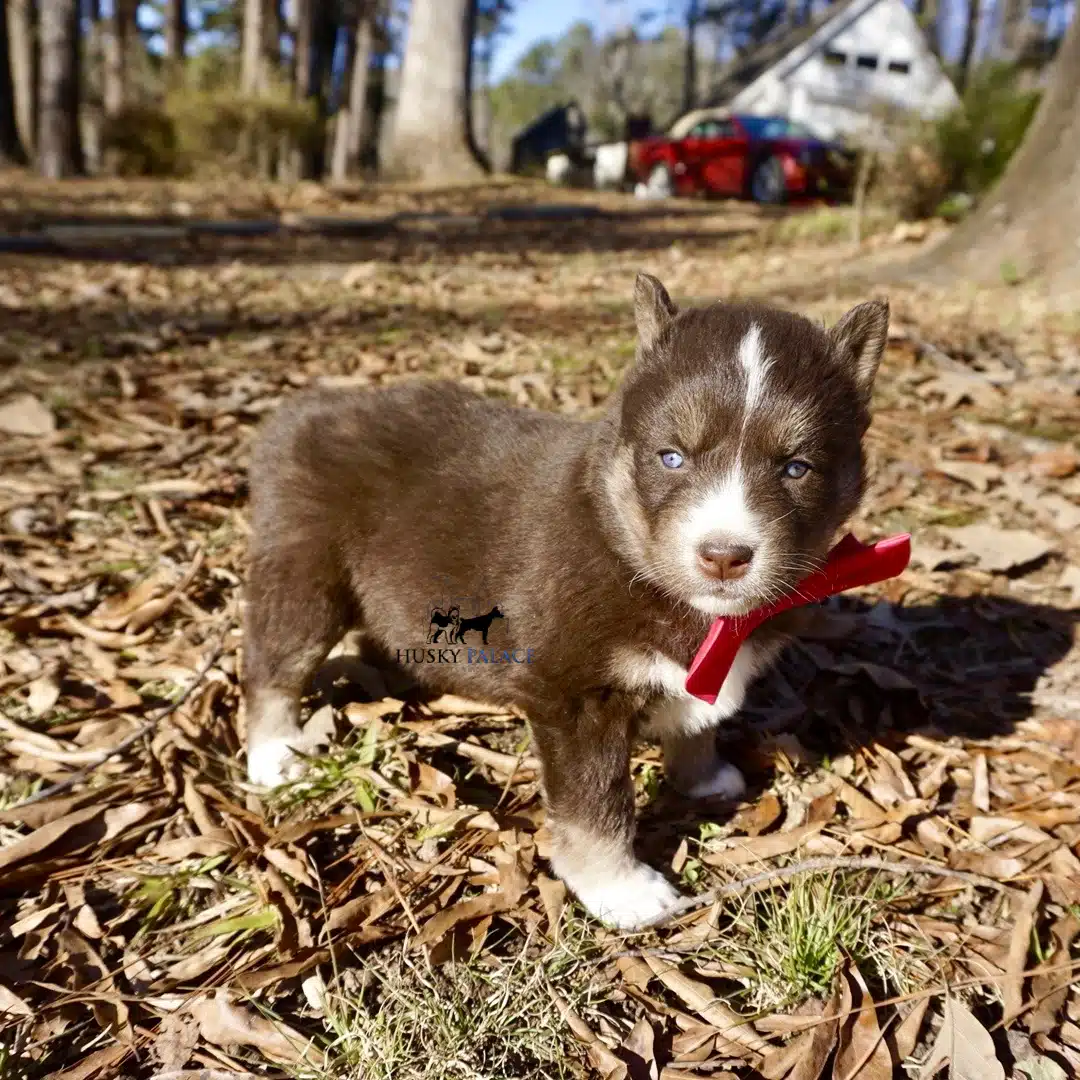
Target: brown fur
372,508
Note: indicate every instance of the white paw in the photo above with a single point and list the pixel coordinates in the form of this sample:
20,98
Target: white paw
273,762
629,898
725,781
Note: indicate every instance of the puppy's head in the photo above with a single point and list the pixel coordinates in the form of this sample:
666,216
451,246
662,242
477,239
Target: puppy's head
738,451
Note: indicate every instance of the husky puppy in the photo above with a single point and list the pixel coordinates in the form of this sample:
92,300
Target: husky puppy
716,479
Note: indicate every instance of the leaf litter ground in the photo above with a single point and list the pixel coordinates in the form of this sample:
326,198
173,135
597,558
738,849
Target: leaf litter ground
901,892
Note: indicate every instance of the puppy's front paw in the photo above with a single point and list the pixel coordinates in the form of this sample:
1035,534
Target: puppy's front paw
273,762
629,898
724,781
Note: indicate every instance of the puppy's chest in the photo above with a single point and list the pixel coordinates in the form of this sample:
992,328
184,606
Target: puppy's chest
661,683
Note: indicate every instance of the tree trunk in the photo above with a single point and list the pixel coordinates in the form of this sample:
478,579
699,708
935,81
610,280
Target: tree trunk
430,140
11,147
971,33
1029,223
303,77
23,46
1012,28
251,47
59,147
176,29
689,92
348,129
116,50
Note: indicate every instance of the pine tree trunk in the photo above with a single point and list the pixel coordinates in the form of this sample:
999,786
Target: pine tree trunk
11,147
689,93
116,50
23,46
251,46
59,147
971,33
303,76
348,129
176,29
1029,223
430,141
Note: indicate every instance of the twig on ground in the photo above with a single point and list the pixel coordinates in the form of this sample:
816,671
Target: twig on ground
907,866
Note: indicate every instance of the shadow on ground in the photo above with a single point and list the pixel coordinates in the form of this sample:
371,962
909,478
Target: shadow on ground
964,668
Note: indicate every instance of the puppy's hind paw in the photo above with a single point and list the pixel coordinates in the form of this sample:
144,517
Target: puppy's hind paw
725,781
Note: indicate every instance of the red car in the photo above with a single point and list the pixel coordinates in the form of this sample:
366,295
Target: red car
765,158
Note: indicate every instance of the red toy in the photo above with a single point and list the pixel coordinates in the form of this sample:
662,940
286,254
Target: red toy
850,565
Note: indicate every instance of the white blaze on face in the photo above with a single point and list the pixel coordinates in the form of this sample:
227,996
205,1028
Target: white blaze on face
725,509
756,366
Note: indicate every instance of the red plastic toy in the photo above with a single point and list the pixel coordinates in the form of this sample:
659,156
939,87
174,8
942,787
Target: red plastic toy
849,565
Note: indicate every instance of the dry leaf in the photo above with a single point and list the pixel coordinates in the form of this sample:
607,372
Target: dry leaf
24,414
1051,990
1058,463
639,1043
965,1045
903,1039
1012,989
862,1053
755,819
700,998
226,1024
1000,550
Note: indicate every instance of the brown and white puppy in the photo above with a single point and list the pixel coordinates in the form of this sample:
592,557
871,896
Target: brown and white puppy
715,481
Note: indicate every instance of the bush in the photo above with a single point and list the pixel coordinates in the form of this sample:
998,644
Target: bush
963,152
206,124
140,140
224,129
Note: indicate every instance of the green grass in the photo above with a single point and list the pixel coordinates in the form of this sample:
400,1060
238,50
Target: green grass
791,940
178,894
325,776
398,1018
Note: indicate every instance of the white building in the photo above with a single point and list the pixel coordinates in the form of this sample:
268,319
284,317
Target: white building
854,61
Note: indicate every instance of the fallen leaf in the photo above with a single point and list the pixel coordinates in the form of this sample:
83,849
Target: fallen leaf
224,1023
755,819
1012,990
806,1057
25,414
980,792
640,1044
972,473
1070,579
1000,550
861,1053
903,1039
1051,990
965,1045
1041,1068
1058,463
699,997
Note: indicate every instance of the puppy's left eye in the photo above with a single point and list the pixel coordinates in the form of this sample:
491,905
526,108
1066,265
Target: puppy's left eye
796,470
672,459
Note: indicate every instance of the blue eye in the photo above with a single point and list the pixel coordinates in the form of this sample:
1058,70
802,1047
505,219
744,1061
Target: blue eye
796,470
672,459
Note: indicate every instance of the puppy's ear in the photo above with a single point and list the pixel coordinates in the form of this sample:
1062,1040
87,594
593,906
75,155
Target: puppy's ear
858,340
653,310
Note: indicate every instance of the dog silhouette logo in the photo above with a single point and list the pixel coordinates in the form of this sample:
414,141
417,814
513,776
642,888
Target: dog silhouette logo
443,622
480,624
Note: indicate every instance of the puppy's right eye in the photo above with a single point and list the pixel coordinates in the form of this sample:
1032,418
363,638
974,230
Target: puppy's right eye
672,459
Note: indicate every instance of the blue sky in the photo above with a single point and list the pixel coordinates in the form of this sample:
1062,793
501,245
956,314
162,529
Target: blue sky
534,20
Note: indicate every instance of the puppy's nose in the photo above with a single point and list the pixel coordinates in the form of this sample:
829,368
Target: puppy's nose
724,560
